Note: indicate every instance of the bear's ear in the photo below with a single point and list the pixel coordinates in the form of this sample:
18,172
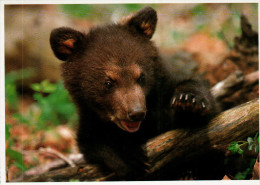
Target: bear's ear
143,22
65,42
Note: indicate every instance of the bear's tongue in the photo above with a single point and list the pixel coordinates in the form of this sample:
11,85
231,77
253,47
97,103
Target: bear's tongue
131,126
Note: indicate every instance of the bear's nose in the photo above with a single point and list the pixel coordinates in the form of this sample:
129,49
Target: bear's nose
137,115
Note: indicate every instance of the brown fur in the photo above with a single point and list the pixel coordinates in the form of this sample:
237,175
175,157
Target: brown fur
124,92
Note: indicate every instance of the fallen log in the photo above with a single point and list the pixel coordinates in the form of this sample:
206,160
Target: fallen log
232,125
235,124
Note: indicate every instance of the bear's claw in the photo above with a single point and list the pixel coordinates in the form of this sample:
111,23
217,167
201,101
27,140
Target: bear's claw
189,102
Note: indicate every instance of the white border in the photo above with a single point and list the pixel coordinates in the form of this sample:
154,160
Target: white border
2,82
121,1
2,97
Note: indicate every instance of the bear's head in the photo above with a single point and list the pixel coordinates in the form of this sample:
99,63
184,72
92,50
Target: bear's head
111,69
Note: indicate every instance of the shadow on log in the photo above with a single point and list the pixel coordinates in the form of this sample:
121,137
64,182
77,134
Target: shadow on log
235,124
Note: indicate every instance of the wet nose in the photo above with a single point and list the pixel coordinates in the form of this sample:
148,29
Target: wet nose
137,115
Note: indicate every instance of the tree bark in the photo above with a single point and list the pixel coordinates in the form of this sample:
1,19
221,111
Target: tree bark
232,125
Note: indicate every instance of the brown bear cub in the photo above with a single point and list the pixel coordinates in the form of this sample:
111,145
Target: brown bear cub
124,93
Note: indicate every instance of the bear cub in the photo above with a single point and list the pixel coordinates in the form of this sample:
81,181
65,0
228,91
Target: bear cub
125,94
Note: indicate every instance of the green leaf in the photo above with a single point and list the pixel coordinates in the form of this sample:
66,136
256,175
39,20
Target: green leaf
20,118
7,131
21,166
250,140
57,107
11,95
44,87
36,87
17,157
242,175
234,147
240,151
47,87
250,147
256,137
250,143
8,134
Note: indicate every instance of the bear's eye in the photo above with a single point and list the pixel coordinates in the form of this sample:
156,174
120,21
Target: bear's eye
108,85
141,79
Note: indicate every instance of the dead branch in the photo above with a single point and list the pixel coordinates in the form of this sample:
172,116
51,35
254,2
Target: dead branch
233,83
232,125
60,155
55,164
80,173
251,79
228,86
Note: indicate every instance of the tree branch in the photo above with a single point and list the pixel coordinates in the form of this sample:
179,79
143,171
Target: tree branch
234,82
232,125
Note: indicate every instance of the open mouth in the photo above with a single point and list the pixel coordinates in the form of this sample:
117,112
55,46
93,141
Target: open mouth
131,126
